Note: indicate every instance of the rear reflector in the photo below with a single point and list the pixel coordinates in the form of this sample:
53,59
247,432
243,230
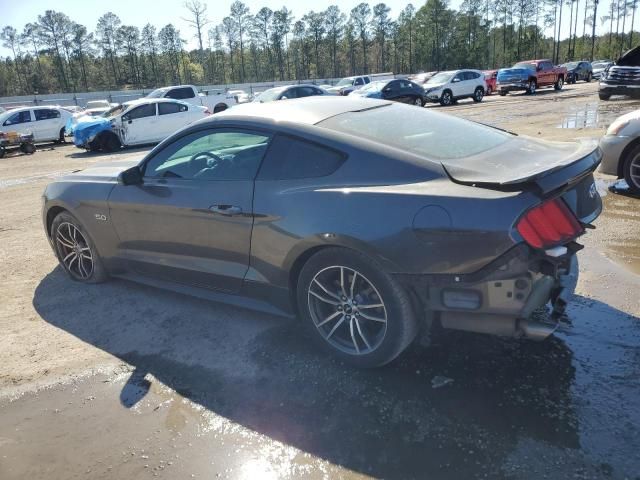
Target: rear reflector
549,224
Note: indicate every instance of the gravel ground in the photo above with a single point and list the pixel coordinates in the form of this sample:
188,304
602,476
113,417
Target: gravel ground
125,381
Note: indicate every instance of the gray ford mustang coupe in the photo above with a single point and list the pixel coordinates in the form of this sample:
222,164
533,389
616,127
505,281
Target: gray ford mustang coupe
366,219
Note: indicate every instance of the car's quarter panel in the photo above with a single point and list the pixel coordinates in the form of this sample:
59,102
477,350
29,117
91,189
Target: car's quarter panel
167,230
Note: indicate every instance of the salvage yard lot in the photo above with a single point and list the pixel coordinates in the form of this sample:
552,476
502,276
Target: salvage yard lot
125,381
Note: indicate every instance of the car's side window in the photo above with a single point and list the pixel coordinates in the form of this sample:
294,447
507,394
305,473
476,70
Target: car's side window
359,81
459,76
46,114
180,93
167,108
147,110
304,92
291,93
18,117
293,158
367,80
220,154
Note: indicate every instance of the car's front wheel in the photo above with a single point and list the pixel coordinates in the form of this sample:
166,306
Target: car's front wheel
446,99
354,309
75,250
418,102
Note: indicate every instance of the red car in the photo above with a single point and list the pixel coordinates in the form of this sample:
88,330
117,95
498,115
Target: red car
490,76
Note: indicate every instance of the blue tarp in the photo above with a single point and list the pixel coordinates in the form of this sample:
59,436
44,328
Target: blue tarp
85,131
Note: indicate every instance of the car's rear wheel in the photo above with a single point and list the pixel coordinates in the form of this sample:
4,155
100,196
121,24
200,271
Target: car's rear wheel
589,77
631,170
478,95
603,96
559,84
354,309
75,250
502,93
446,99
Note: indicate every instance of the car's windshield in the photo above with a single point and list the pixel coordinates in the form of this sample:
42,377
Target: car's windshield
157,93
419,131
270,95
344,81
570,65
112,112
374,86
443,77
529,65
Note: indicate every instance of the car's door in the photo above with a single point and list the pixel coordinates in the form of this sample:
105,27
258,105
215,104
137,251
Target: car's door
545,74
392,91
140,125
47,121
289,94
172,116
190,220
457,84
20,122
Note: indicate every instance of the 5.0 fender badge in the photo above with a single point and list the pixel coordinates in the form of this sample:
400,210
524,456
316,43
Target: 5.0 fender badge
101,217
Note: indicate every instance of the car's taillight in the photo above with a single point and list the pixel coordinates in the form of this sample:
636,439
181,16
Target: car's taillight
549,224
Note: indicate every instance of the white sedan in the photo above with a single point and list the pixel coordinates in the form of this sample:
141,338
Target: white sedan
45,123
139,122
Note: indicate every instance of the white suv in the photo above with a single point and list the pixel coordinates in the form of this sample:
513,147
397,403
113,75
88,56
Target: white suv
45,123
449,87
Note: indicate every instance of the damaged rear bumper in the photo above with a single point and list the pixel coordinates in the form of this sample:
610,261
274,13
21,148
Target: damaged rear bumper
501,299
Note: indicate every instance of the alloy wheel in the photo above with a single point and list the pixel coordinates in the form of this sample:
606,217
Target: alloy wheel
634,173
347,310
417,102
74,250
446,98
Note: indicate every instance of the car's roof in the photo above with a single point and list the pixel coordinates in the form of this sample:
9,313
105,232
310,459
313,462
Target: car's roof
309,110
151,100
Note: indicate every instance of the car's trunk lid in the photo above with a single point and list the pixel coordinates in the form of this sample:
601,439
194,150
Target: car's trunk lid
547,168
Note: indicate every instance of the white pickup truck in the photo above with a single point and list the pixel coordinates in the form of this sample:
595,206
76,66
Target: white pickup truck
349,84
215,100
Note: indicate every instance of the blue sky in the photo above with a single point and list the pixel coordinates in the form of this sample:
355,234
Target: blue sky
161,12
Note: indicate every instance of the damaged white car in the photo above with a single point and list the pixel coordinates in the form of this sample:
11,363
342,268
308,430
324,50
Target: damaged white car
139,122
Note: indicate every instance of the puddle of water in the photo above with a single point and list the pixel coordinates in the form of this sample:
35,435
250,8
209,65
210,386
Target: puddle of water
622,237
591,115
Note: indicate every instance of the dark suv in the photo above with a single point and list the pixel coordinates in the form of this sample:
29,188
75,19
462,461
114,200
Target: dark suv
578,71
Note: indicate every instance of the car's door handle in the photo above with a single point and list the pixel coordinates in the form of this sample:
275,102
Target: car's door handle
228,210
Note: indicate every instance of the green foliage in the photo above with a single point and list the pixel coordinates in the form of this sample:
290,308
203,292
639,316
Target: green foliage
55,54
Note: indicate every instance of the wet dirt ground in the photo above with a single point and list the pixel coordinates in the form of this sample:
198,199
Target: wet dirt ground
120,381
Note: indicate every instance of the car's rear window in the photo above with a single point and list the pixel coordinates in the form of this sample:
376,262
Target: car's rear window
433,135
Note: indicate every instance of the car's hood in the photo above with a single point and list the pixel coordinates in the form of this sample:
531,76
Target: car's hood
519,160
429,86
512,72
101,172
630,58
336,88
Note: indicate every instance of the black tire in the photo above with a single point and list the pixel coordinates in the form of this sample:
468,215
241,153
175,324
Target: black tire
631,170
589,77
94,145
418,102
531,88
62,139
446,98
502,93
110,142
559,84
61,236
400,327
2,152
604,96
478,95
27,148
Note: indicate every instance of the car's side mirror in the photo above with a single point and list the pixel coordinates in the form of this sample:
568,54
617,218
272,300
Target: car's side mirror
284,97
387,90
131,176
455,80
